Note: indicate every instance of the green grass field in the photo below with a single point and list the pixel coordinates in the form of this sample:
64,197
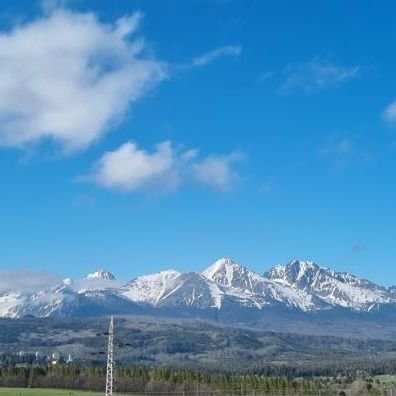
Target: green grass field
386,379
44,392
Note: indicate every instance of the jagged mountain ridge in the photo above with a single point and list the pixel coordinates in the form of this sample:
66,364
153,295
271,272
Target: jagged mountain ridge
299,285
335,288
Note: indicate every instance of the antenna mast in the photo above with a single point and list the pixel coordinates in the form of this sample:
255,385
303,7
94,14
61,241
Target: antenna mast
110,360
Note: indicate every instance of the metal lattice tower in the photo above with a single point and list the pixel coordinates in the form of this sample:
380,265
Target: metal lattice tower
110,360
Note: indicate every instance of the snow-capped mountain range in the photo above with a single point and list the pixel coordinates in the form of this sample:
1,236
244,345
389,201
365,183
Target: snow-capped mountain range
225,286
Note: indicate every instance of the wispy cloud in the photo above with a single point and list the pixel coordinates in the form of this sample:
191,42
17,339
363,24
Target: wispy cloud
268,75
67,77
315,75
345,150
85,201
130,168
389,113
26,280
339,146
211,56
217,171
339,150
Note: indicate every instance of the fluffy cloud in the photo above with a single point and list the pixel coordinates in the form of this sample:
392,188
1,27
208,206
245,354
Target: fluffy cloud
315,75
67,77
129,168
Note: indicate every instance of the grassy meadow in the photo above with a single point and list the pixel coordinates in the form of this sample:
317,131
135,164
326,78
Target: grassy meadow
44,392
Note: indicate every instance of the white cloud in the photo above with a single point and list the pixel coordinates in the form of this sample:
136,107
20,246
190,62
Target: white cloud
26,280
390,113
208,57
129,168
217,171
315,75
67,76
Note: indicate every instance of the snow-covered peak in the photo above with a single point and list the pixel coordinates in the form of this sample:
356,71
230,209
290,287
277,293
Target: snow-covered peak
100,274
228,273
221,263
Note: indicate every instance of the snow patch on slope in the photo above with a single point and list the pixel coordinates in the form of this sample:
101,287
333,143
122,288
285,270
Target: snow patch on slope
149,288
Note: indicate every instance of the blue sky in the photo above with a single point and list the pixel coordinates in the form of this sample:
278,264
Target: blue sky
144,135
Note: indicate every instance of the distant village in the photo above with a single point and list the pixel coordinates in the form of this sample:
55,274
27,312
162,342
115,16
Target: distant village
24,359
